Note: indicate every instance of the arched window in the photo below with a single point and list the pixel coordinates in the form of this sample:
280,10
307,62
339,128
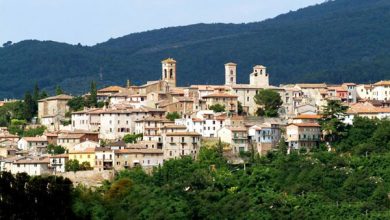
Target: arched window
165,73
231,72
261,71
171,73
231,79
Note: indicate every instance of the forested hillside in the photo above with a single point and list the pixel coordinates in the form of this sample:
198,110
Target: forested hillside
337,41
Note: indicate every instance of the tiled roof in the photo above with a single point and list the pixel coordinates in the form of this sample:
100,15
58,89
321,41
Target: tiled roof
220,95
307,116
183,134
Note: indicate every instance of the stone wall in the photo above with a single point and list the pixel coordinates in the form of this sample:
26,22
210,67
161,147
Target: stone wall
89,178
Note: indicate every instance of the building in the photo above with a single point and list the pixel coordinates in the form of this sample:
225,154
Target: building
367,110
129,158
51,111
58,162
237,137
104,157
303,135
225,99
178,144
86,155
37,144
264,137
206,123
33,166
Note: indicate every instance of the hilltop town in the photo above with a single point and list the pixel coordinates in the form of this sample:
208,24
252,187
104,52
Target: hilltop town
147,125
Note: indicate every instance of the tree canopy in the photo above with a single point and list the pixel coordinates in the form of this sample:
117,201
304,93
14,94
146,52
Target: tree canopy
269,102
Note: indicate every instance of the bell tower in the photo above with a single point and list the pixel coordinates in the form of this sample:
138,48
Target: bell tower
259,77
169,72
230,74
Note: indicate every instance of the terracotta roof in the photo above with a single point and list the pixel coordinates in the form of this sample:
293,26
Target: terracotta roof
383,83
60,156
220,95
238,129
174,126
230,64
197,120
70,136
366,108
44,160
85,151
111,89
169,60
307,116
57,97
35,139
139,151
312,85
306,124
183,134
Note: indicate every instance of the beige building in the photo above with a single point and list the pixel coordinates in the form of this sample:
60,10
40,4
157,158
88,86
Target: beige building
303,135
129,158
237,137
52,110
225,99
178,144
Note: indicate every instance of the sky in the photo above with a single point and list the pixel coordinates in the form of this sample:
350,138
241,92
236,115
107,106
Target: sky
93,21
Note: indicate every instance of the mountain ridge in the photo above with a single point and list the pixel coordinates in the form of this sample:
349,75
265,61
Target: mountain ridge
334,42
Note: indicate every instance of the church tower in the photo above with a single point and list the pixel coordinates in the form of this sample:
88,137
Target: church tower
230,74
259,77
169,72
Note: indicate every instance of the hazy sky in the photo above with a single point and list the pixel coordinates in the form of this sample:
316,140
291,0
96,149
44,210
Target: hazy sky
93,21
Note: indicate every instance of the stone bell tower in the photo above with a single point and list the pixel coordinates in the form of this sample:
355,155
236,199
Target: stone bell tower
230,74
169,72
259,77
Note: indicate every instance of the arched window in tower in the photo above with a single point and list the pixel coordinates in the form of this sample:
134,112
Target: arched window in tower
231,79
231,72
171,73
261,72
165,73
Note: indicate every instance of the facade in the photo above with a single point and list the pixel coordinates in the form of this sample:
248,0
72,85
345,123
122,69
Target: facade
57,163
264,137
178,144
303,135
84,155
104,158
51,111
129,158
237,137
33,166
38,144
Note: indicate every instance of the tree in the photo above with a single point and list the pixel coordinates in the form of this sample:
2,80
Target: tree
32,132
240,109
332,123
132,138
29,106
85,166
76,103
217,108
55,149
173,115
92,98
270,102
72,165
59,90
7,44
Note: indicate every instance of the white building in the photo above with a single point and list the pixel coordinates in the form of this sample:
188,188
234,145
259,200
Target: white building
33,166
38,144
265,137
58,162
205,122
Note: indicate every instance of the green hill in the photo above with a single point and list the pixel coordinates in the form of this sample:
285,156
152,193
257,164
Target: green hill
334,42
